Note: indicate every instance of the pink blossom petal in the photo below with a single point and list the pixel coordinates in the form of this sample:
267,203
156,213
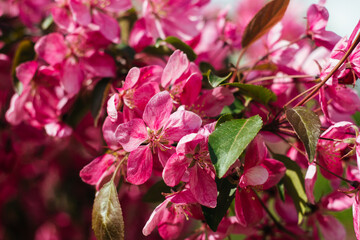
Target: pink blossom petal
63,18
58,129
26,71
175,169
139,36
109,128
51,48
140,164
155,218
112,107
357,149
310,179
331,228
203,187
177,64
158,110
337,201
118,5
181,123
92,173
255,153
131,134
254,176
99,64
356,216
164,154
276,170
248,209
72,76
317,17
80,11
109,27
191,89
131,78
143,94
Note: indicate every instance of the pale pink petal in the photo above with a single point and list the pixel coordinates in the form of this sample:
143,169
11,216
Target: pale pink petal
276,170
131,134
158,110
181,123
112,107
92,173
310,179
131,78
337,201
26,71
109,128
356,216
155,218
358,152
51,48
203,187
140,164
99,64
254,176
118,5
80,11
317,17
109,27
58,129
175,169
331,228
248,209
177,64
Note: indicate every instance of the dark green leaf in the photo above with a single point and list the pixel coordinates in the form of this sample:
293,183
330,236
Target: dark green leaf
223,118
99,96
230,139
158,51
226,194
178,44
307,126
24,52
154,194
78,110
216,80
235,108
107,219
281,190
294,184
205,67
256,92
263,21
356,118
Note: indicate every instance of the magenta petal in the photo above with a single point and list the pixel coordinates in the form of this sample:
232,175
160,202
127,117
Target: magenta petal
356,216
310,179
248,209
131,78
255,153
93,172
99,64
337,201
254,176
72,76
80,11
155,218
131,134
276,170
109,127
181,123
158,110
58,129
118,5
109,27
51,48
143,94
63,18
174,169
26,71
140,164
203,187
177,64
331,228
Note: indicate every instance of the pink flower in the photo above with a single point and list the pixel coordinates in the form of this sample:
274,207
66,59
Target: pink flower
158,129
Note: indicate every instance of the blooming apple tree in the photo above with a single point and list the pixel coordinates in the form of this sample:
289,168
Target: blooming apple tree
190,121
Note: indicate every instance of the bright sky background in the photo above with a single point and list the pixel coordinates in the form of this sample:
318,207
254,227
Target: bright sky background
344,14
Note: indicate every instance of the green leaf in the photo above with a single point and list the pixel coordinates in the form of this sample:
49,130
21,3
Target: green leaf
24,52
230,139
307,126
281,190
154,194
356,118
107,219
216,80
205,67
235,108
294,184
98,98
226,194
256,92
46,24
263,21
224,118
178,44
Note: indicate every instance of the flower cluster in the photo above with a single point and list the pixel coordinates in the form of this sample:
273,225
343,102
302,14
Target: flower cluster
185,120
